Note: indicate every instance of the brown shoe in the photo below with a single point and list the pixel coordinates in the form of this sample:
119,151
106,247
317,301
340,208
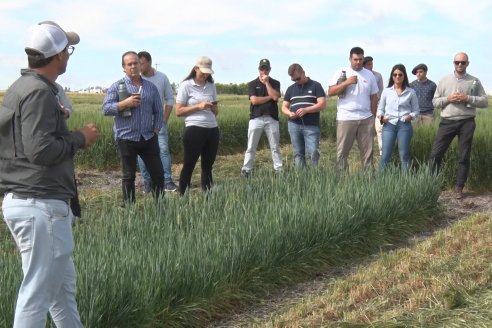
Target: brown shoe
459,193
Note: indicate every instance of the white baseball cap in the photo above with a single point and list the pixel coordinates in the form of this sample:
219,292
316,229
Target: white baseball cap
49,39
204,64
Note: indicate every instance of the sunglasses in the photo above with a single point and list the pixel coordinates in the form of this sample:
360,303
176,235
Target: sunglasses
397,75
462,62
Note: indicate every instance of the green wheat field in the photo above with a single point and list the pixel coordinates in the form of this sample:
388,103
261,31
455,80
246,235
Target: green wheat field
190,261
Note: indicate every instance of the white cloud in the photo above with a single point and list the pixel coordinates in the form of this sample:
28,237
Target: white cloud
318,33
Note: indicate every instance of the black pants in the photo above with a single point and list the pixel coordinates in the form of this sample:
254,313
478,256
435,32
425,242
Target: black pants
148,150
448,129
198,142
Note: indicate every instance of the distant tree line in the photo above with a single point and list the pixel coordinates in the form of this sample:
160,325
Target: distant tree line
232,88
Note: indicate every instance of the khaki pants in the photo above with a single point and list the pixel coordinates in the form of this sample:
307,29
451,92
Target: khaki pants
347,133
379,133
424,119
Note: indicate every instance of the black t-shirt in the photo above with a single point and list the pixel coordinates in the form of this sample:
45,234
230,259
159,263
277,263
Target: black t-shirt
258,89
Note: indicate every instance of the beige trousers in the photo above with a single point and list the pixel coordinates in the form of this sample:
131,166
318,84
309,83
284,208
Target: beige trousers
347,133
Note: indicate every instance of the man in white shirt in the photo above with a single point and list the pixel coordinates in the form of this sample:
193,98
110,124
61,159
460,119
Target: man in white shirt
356,109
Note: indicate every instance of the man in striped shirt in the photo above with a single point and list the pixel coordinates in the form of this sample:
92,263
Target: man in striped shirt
302,104
136,133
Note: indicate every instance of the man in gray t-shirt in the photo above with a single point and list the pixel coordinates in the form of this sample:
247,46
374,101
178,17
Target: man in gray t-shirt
161,81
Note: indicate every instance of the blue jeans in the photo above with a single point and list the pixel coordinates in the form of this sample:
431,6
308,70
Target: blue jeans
163,139
42,230
401,133
305,143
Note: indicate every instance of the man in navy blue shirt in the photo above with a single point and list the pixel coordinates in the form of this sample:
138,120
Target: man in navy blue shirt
302,104
425,89
136,134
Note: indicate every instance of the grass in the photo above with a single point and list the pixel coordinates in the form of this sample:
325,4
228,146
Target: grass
188,260
445,281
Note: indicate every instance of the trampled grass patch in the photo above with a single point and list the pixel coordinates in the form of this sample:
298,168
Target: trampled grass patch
445,281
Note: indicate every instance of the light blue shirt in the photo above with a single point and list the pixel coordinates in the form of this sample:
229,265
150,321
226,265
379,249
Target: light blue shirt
146,118
397,107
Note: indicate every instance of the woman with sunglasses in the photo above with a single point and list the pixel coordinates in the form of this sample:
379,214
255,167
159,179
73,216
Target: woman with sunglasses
397,107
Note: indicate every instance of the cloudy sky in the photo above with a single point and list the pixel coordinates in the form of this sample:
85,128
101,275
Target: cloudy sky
318,34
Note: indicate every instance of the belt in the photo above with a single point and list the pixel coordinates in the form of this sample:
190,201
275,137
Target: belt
427,112
17,196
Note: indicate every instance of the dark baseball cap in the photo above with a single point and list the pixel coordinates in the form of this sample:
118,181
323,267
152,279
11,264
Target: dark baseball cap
419,66
264,63
367,59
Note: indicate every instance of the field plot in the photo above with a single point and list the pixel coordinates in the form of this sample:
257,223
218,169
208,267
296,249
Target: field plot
186,261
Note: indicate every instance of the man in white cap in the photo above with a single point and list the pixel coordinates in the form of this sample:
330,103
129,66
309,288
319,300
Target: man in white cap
37,177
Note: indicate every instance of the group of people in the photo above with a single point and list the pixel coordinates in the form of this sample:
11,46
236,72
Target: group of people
37,153
402,104
142,135
365,106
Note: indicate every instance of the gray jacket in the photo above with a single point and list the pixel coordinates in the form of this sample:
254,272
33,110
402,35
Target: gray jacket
36,147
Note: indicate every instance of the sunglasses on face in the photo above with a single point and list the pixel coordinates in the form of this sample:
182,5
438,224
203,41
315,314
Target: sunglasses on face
460,62
397,74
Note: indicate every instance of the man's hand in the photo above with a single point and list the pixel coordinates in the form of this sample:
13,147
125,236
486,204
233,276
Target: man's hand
301,112
91,134
132,101
352,79
264,79
293,116
458,97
